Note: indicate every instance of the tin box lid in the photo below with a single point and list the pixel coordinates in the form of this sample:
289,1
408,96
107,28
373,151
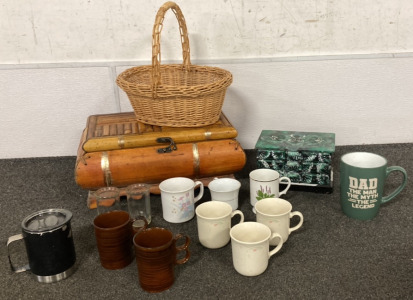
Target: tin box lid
46,220
294,141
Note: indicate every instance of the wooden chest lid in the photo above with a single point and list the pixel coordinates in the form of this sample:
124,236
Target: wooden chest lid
121,131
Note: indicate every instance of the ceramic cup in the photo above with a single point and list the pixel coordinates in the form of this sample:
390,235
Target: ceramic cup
157,251
225,190
177,196
264,183
214,223
113,232
276,214
362,179
250,247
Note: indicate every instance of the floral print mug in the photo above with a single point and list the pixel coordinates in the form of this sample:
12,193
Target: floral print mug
264,183
177,196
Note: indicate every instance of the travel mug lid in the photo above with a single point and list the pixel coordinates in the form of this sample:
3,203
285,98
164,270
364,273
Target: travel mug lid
46,220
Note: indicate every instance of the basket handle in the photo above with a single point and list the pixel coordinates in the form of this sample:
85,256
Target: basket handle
156,41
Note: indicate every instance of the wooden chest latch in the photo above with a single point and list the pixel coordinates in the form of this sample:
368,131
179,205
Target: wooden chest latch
168,149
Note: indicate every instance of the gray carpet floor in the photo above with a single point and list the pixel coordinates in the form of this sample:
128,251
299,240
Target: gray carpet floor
330,257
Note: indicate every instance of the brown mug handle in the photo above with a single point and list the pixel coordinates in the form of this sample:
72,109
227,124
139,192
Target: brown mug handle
184,247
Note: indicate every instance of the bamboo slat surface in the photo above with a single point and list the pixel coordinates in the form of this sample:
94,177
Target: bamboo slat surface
122,131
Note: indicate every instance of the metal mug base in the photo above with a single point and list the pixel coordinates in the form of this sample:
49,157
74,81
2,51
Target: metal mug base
56,277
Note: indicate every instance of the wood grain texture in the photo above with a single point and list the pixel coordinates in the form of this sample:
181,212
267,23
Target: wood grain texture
127,166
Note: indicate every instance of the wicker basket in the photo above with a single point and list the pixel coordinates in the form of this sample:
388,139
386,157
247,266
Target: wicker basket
175,95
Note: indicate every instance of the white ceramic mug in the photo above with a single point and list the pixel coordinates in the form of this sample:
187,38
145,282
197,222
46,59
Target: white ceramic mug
250,247
264,183
276,214
177,195
225,190
214,223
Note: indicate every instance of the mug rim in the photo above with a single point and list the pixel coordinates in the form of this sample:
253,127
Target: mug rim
237,185
379,161
68,217
290,207
181,190
212,203
275,174
157,248
246,224
115,227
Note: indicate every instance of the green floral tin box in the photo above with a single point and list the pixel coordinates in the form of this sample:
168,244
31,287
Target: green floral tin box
304,157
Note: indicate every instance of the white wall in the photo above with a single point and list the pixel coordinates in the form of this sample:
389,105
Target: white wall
35,31
334,66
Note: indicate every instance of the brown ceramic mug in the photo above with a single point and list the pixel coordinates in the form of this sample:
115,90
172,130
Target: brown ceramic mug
113,232
156,252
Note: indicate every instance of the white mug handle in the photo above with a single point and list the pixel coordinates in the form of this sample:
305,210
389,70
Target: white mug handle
201,190
280,244
288,185
238,212
296,213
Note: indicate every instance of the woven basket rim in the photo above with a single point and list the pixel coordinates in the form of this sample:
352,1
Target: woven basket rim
145,68
213,86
